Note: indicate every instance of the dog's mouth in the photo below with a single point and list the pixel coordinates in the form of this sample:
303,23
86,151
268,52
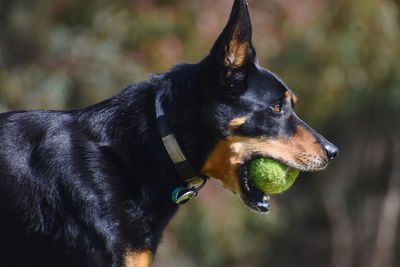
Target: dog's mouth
250,194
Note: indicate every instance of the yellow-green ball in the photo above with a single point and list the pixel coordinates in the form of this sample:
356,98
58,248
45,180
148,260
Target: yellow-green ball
270,176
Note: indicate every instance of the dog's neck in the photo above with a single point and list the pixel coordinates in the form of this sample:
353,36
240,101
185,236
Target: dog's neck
133,145
183,94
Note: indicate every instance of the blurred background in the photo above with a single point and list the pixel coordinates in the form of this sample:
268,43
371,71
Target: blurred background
342,58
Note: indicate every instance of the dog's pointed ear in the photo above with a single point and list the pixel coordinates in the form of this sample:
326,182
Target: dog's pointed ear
233,47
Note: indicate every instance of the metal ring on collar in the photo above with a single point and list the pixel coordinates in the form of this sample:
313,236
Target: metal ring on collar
183,194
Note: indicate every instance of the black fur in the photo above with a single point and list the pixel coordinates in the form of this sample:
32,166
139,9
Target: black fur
79,188
83,183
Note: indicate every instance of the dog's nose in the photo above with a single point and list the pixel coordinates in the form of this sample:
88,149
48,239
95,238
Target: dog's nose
331,151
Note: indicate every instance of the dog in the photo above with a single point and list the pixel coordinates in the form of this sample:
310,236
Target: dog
93,187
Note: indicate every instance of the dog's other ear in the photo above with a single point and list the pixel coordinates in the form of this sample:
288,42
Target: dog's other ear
233,47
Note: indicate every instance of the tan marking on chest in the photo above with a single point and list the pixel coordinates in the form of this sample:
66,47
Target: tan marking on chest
138,259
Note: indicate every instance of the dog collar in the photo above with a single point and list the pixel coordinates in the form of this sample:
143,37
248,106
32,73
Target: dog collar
194,181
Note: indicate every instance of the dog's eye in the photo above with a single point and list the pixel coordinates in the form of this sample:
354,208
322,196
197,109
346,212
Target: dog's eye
277,108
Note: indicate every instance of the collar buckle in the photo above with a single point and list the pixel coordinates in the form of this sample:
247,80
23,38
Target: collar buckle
181,195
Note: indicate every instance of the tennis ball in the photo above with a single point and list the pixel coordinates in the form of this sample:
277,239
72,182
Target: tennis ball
270,176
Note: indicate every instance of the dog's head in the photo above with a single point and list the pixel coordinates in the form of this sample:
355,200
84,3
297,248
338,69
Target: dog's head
249,113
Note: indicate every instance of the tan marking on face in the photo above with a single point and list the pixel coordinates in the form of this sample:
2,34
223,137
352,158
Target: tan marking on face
236,123
287,94
294,98
221,164
301,151
291,95
138,259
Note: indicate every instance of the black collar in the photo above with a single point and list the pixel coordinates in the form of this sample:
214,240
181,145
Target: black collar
194,182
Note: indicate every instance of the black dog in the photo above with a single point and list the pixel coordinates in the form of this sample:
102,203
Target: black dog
93,187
